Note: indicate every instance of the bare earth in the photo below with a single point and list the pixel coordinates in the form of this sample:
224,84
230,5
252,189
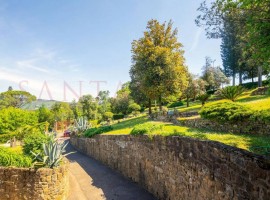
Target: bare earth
89,179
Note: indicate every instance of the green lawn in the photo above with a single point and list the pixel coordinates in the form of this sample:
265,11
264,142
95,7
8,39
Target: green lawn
237,140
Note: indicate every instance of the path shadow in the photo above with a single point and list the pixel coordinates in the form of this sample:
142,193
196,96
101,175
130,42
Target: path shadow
113,184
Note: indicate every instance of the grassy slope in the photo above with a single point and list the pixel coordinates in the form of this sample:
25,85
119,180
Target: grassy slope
238,140
258,102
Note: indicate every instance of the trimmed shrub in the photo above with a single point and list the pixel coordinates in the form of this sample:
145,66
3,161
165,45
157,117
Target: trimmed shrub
118,116
94,131
261,115
33,142
146,128
9,158
175,104
226,111
134,107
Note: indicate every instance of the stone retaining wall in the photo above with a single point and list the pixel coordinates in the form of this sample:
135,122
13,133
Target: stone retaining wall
259,128
36,184
182,168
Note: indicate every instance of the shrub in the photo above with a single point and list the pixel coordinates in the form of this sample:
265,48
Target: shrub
175,104
93,123
203,98
134,107
146,128
108,116
33,142
231,92
261,115
13,118
6,137
9,158
94,131
225,111
118,116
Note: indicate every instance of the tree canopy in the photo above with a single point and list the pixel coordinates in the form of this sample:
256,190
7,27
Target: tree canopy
158,68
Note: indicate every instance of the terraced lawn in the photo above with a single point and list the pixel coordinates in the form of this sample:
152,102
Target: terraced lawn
242,141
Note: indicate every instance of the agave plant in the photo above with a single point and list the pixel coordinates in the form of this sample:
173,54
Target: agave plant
52,154
81,125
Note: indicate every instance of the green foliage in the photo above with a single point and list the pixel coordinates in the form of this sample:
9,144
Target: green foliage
108,116
175,104
10,158
146,128
203,98
6,137
61,111
14,98
231,92
89,107
158,68
121,102
33,142
45,115
254,85
226,111
13,118
95,131
134,107
261,115
118,116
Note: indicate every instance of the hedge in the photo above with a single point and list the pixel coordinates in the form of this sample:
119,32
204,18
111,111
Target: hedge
234,112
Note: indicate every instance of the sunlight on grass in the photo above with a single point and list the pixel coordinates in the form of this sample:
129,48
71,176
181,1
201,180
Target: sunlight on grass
237,140
262,104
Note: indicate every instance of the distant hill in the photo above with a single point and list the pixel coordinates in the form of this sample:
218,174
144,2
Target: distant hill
34,105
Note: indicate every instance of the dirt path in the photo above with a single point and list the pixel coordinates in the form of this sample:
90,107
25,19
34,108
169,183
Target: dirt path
89,179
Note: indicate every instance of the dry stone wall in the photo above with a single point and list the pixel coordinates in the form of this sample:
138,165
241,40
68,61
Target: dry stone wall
36,184
182,168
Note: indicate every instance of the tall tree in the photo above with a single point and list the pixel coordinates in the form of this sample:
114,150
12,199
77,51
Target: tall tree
157,62
244,28
89,107
15,98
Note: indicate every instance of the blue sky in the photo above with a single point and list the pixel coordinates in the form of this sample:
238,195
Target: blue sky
52,45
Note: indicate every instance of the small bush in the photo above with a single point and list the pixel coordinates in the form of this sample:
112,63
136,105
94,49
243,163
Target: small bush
108,116
33,142
261,115
94,131
146,128
118,116
6,137
225,111
9,158
175,104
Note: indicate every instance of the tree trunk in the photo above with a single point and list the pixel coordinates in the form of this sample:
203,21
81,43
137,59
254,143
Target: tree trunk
150,106
234,79
260,76
160,103
240,78
187,102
